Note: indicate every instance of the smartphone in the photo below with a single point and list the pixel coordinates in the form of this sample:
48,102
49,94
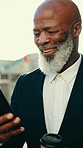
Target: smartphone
5,107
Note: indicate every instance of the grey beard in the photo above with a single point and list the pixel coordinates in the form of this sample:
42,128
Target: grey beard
55,64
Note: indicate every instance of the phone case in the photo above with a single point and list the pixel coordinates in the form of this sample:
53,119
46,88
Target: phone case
5,108
4,105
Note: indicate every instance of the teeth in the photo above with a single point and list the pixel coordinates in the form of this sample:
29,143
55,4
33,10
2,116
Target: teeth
45,51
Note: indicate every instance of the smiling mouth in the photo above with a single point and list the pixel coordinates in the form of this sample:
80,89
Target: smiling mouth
49,52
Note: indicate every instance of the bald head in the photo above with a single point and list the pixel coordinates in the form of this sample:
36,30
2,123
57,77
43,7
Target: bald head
55,23
67,8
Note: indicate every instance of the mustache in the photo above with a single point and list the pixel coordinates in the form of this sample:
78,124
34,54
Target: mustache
44,47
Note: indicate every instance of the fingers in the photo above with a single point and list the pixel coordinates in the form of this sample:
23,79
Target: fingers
5,136
6,117
7,126
16,132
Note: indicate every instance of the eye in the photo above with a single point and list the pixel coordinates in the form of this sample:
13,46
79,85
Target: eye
53,32
36,34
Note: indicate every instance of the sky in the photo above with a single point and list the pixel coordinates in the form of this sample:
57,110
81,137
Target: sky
16,28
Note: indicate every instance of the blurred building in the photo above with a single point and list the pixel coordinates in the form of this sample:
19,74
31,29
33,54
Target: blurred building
10,71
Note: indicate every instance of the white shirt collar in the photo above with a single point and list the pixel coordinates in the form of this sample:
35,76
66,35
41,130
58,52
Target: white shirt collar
52,76
69,73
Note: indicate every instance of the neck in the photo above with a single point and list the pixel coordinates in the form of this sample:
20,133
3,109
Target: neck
73,58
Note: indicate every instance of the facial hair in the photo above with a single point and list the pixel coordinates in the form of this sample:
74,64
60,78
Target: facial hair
54,64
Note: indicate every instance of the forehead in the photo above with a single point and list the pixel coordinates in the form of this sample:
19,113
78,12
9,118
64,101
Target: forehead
47,18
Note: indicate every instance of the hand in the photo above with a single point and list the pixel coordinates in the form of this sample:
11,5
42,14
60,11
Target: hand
8,121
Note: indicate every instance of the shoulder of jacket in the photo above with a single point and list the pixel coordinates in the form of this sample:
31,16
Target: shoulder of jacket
30,75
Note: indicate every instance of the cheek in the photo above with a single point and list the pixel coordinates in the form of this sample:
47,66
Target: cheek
61,38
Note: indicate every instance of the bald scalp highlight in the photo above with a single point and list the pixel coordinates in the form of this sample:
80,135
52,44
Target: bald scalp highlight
67,7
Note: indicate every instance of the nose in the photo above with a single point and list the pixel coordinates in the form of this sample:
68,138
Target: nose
43,38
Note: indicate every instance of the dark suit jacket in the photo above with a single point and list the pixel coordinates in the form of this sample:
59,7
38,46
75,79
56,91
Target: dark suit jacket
27,103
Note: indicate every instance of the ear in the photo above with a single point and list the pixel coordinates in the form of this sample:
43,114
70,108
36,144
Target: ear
77,29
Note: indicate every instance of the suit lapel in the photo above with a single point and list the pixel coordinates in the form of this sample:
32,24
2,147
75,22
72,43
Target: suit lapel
39,100
75,102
